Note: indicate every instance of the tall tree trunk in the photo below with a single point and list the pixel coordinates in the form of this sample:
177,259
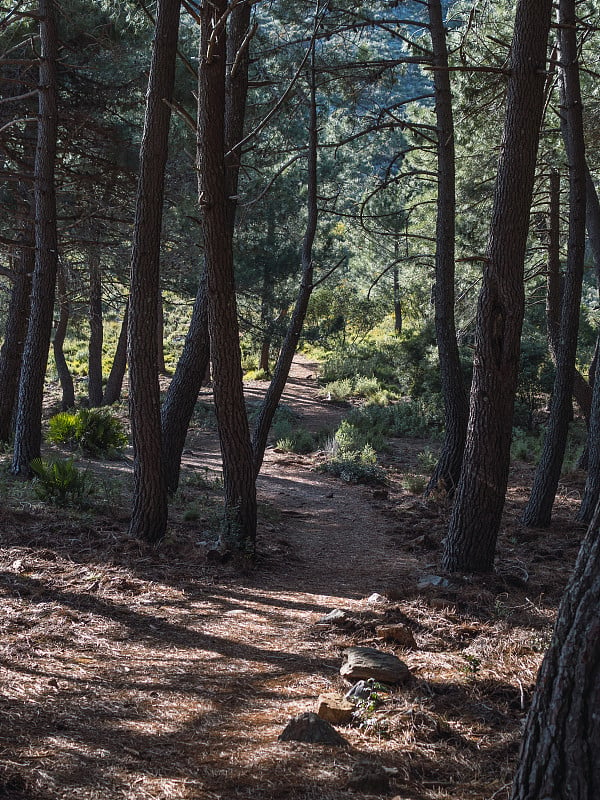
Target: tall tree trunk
239,526
582,390
114,384
195,358
290,342
559,752
591,494
149,515
11,352
456,403
60,333
178,406
96,331
471,541
28,423
539,508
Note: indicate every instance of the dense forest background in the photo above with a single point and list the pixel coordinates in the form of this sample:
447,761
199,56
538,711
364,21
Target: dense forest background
193,192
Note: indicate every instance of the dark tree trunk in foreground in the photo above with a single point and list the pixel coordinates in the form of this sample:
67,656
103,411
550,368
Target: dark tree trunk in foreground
239,526
559,754
60,333
15,333
28,424
591,494
193,364
96,332
539,508
456,403
471,540
114,384
149,515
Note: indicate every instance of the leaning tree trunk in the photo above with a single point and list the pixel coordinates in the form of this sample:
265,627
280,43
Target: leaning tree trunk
471,541
456,403
15,332
195,358
239,526
290,342
114,384
149,515
60,333
178,406
539,508
96,332
559,752
28,423
591,493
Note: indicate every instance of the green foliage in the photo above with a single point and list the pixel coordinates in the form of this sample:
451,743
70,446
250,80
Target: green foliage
406,418
60,483
415,483
407,366
300,441
526,445
95,431
338,391
355,466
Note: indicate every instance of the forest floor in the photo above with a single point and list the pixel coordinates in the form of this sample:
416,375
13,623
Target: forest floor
161,674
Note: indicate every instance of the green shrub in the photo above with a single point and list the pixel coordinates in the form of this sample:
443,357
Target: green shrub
95,431
338,391
60,483
299,441
427,460
256,375
355,467
416,484
525,445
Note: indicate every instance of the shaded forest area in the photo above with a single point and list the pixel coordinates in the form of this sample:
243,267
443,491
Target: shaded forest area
197,198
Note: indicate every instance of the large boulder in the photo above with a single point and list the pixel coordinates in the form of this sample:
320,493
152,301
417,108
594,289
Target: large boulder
367,662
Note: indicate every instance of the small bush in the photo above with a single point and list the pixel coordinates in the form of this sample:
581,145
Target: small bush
338,391
60,483
299,441
95,431
355,467
427,460
416,484
256,375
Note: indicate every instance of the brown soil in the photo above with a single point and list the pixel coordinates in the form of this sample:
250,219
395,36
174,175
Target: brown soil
142,674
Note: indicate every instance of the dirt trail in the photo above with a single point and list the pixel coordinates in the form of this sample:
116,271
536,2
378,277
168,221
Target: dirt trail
143,674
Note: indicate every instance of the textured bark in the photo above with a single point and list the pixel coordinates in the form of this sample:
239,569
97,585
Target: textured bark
582,391
15,333
96,332
559,752
182,394
471,540
28,423
114,384
194,362
149,515
60,332
591,494
290,342
538,512
456,403
239,528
